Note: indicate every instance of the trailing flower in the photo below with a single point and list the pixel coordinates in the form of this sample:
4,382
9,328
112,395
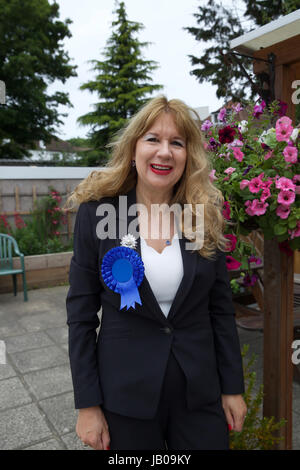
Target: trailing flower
256,166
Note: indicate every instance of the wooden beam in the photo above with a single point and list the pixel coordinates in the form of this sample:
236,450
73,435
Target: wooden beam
287,52
17,199
278,337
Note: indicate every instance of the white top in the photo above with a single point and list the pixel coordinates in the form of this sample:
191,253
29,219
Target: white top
164,271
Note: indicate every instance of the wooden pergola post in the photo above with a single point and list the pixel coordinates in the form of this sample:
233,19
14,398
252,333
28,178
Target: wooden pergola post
278,337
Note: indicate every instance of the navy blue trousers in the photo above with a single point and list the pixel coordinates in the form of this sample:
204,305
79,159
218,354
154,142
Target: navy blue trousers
174,427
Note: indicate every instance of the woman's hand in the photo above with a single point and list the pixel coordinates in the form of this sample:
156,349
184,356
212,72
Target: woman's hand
235,411
92,428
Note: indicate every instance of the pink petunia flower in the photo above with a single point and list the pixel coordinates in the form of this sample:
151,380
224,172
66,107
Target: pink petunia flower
290,154
238,154
296,178
284,183
229,170
244,184
255,185
212,175
266,193
296,232
286,197
256,207
283,211
283,129
269,154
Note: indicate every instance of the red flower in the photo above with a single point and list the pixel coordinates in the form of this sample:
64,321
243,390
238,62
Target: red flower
226,211
226,135
19,222
4,220
285,248
231,241
232,263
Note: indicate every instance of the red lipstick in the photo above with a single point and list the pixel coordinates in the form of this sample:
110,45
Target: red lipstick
160,169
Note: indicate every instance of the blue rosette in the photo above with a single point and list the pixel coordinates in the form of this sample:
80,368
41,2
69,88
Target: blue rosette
122,271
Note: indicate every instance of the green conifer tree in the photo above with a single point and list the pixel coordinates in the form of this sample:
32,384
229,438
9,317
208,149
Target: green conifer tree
123,83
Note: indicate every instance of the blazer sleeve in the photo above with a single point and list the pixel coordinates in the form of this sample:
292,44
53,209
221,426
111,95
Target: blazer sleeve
83,302
227,345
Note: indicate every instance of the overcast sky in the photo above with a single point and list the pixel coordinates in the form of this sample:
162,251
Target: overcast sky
163,21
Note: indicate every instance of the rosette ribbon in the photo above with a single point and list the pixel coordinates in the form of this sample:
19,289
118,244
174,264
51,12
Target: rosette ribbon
122,271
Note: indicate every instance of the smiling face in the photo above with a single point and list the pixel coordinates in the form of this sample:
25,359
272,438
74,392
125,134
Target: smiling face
160,155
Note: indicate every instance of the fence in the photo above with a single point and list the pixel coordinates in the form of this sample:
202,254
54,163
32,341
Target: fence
18,210
20,187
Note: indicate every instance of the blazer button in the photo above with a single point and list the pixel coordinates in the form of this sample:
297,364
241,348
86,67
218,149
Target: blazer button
167,330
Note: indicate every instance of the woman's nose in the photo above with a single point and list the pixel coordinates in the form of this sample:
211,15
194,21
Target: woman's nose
165,149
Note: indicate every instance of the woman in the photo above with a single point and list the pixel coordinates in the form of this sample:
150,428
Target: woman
165,372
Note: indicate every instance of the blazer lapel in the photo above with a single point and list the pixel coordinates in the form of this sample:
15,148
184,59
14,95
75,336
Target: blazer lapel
189,268
189,259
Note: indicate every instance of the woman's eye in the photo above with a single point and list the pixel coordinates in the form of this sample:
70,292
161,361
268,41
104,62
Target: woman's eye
176,142
151,139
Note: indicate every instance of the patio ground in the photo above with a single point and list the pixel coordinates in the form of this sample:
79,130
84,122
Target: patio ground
36,398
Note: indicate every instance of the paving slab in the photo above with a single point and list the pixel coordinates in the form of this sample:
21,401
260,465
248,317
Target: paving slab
60,411
22,426
48,444
7,371
58,334
28,341
42,321
40,358
49,382
13,393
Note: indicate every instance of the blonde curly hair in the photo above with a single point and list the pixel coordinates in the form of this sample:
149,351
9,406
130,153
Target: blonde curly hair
195,187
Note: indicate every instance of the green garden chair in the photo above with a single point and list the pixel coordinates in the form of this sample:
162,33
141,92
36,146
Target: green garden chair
6,261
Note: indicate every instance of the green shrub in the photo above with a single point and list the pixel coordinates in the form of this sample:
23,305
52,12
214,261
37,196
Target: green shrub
259,433
41,232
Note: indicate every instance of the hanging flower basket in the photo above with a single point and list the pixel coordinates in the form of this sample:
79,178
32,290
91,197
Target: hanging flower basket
256,166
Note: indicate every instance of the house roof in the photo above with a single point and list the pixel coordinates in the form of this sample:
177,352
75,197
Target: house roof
59,145
276,31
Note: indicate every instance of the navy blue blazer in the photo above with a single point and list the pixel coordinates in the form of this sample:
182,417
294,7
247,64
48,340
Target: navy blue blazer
122,368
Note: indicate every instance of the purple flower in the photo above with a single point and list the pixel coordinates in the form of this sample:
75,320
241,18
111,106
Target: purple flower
250,280
237,108
222,114
213,144
247,169
259,109
282,108
206,125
